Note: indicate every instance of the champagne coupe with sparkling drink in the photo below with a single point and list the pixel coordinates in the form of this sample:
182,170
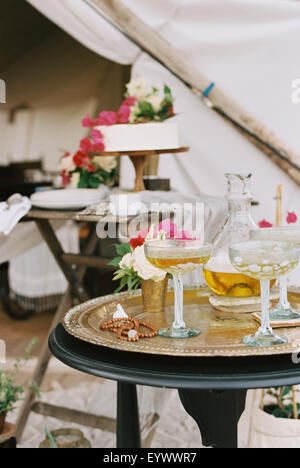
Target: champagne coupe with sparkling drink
283,310
264,261
177,257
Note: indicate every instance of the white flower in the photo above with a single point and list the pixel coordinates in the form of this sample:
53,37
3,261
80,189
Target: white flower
156,101
144,268
134,111
2,396
107,163
127,261
138,88
159,235
75,179
67,164
150,235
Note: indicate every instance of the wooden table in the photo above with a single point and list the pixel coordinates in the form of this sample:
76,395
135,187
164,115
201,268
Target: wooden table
74,268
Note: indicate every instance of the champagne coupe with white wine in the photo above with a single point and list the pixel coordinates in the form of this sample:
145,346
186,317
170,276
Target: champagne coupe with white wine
264,261
177,257
283,310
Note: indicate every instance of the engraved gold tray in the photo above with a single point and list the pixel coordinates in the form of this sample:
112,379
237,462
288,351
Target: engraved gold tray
221,335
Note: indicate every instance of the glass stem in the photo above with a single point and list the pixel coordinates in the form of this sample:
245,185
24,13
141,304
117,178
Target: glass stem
283,293
265,328
178,292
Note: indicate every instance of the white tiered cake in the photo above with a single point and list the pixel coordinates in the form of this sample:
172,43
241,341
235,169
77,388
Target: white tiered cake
136,137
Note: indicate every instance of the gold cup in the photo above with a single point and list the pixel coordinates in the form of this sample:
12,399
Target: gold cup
154,295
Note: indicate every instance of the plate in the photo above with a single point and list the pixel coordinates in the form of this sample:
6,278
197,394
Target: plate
68,198
221,336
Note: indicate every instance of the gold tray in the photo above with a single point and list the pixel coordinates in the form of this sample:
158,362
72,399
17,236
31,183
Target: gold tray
221,335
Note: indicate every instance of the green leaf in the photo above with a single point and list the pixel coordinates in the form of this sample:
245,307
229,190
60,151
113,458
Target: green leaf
167,90
278,413
146,109
123,249
286,390
115,262
94,182
82,183
124,281
119,274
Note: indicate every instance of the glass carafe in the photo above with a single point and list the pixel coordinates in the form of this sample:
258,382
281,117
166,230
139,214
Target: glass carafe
222,278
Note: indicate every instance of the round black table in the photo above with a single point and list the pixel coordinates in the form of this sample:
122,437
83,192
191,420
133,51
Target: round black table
212,390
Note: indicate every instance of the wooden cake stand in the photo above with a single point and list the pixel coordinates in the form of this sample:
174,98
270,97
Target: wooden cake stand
138,159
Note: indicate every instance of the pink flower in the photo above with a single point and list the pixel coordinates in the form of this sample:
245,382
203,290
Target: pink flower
291,218
66,155
108,118
87,122
81,159
91,168
168,227
124,114
86,145
144,233
184,235
130,101
265,224
96,135
99,146
96,144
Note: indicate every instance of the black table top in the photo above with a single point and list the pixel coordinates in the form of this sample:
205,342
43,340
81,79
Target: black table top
207,373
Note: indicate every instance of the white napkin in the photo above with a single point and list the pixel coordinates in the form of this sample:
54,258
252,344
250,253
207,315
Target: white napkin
120,313
12,211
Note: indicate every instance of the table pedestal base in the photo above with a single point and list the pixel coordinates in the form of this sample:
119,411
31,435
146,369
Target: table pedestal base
217,414
128,424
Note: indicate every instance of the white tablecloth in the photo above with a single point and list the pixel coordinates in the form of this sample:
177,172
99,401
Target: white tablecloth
34,273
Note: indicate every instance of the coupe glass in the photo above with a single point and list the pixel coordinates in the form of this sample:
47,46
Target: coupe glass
283,310
177,257
264,260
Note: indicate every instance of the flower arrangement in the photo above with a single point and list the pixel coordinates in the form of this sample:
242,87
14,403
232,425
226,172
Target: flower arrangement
142,104
84,171
133,266
291,218
10,392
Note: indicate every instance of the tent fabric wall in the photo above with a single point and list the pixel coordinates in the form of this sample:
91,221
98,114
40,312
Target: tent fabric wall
77,18
248,47
58,87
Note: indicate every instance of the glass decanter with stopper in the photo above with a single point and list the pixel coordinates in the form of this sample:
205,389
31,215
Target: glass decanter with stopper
220,275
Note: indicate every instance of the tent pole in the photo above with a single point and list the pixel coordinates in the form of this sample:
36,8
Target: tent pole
150,41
